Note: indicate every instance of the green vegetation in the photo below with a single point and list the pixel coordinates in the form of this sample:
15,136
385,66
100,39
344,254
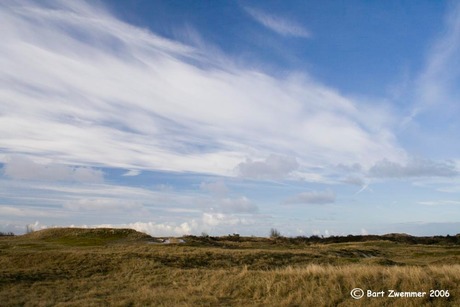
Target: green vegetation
122,267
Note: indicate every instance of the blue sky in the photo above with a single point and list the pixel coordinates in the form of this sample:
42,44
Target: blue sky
183,117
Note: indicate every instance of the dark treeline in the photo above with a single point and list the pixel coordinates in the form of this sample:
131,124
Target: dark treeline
399,238
2,234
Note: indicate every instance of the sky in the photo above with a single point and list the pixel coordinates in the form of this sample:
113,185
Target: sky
221,117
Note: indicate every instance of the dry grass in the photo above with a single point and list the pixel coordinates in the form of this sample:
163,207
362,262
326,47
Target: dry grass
47,272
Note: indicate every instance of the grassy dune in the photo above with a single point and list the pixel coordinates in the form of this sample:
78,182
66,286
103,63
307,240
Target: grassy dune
83,267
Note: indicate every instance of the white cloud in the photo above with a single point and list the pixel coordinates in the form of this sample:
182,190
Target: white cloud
36,226
73,204
223,204
312,197
132,173
431,124
214,223
28,211
354,168
435,88
218,223
216,188
222,219
237,205
155,229
143,105
273,167
68,197
441,75
354,180
439,202
277,24
23,168
413,168
102,204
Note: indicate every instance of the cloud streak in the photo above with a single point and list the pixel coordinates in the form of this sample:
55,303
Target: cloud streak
312,197
23,168
413,168
277,24
273,167
109,94
440,202
441,71
132,173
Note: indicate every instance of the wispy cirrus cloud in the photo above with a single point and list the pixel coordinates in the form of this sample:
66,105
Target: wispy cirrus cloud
102,204
440,202
106,93
278,24
439,79
415,167
66,203
273,167
435,86
83,92
132,173
23,168
312,197
216,188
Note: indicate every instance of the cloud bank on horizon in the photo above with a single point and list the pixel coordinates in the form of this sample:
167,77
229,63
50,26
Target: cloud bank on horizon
104,122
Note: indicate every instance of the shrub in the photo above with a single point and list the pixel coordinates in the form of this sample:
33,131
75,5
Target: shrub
29,228
274,233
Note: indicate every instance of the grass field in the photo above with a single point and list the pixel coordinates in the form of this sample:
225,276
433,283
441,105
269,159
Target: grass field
94,267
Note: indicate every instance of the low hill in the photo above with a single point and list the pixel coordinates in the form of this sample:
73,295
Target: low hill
88,236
